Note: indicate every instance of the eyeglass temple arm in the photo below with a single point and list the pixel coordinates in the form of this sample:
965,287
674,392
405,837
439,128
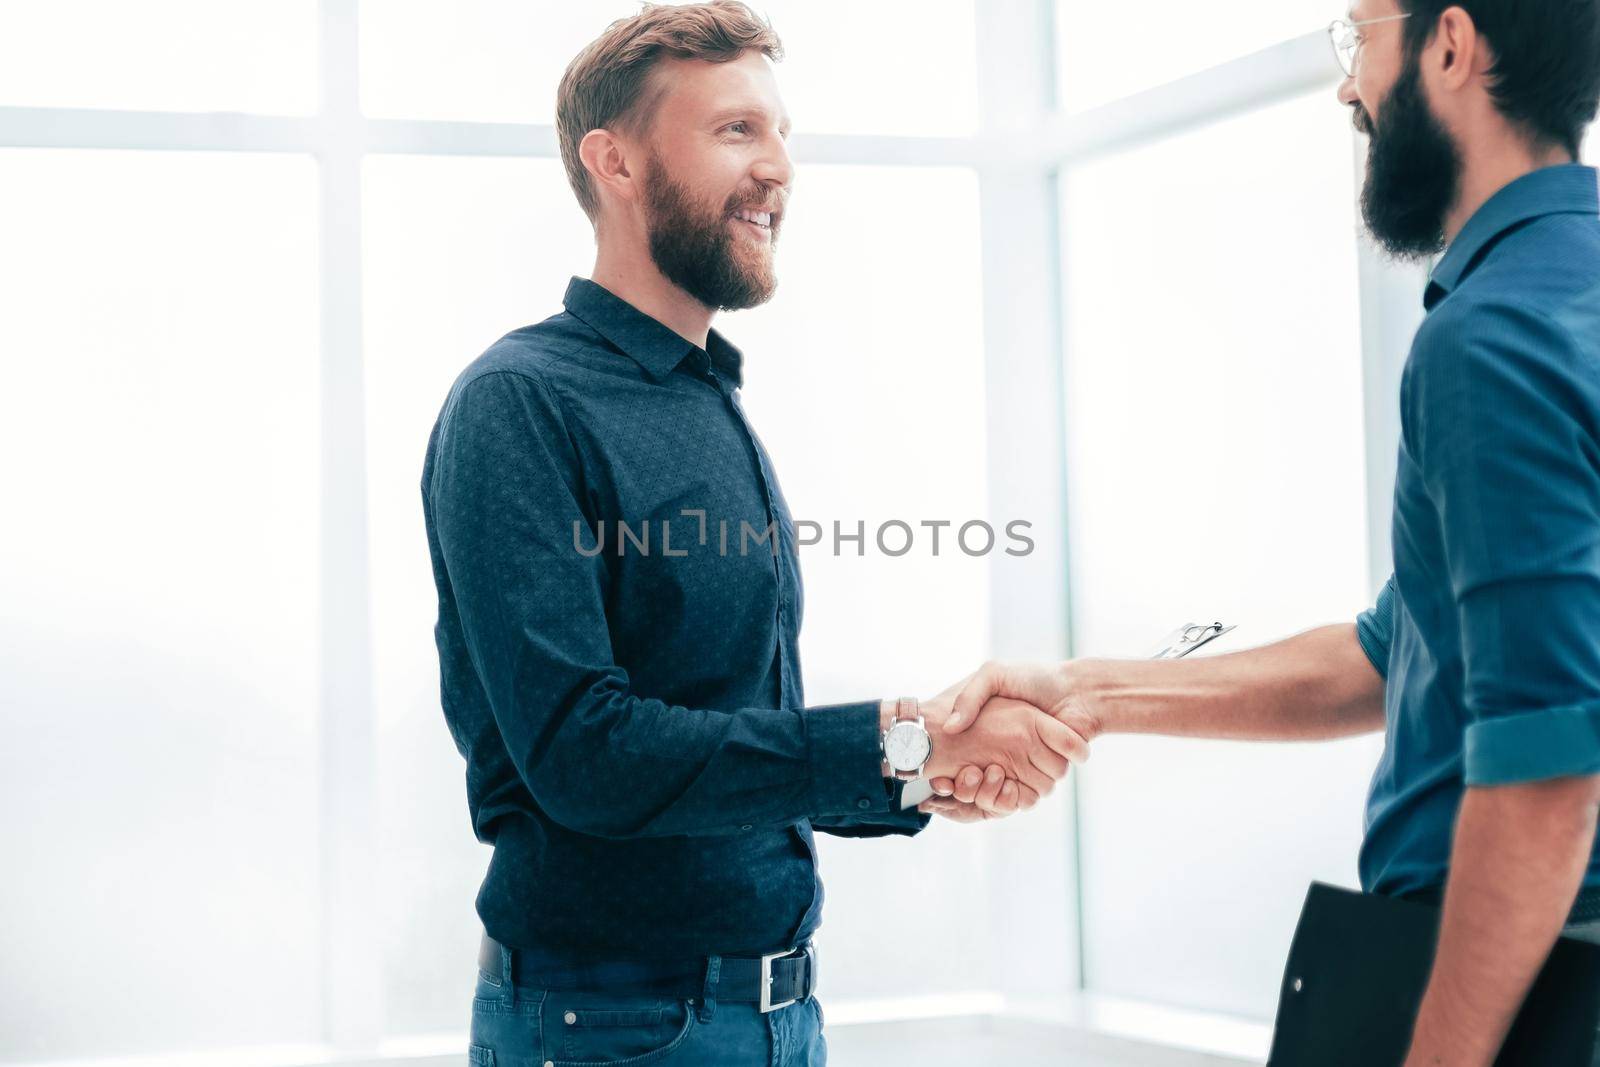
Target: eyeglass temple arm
1374,22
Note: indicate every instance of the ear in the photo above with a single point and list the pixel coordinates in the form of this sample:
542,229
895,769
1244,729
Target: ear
1460,52
605,157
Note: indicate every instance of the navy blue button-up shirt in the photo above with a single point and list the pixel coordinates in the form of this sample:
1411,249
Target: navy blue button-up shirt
1489,631
619,614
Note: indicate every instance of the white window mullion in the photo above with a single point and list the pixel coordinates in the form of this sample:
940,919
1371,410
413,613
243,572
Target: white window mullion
1032,878
70,127
352,963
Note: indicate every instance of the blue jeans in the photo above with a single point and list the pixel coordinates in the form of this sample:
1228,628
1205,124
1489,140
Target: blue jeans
516,1025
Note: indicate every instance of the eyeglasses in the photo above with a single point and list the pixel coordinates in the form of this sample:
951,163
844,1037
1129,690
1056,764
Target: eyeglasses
1347,40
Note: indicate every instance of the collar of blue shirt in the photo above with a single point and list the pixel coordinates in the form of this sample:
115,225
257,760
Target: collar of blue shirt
1568,188
649,343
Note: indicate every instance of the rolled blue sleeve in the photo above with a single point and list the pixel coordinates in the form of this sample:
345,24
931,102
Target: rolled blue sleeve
1504,412
1375,629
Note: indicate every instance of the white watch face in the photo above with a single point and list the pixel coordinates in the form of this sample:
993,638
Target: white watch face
907,746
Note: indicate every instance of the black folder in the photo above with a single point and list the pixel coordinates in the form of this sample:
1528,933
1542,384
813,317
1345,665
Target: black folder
1358,968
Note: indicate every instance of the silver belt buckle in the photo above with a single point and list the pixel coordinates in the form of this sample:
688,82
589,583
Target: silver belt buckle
766,983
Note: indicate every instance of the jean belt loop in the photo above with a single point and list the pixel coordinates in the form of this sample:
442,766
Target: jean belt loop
508,985
708,995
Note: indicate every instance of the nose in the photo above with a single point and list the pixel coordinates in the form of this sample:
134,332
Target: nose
1347,92
775,164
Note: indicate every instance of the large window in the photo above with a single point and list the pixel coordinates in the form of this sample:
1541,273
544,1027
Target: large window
1109,51
167,55
158,626
893,70
1214,442
486,61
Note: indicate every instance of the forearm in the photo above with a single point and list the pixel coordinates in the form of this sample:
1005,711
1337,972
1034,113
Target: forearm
619,766
1315,686
1519,857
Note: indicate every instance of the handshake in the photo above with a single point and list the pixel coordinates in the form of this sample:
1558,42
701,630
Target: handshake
1002,738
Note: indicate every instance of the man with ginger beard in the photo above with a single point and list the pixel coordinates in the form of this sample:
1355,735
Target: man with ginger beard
629,704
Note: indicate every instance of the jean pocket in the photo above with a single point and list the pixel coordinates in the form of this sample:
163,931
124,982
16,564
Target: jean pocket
514,1030
600,1029
488,987
478,1056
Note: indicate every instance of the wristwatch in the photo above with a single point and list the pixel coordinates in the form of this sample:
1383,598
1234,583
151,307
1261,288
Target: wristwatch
907,745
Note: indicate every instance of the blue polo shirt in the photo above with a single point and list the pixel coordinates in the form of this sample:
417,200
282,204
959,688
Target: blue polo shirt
1489,632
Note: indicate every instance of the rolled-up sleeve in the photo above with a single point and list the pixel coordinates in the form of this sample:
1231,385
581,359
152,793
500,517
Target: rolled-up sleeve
1375,629
506,490
1505,418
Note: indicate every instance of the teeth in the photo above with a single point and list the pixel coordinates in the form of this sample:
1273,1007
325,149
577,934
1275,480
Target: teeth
760,218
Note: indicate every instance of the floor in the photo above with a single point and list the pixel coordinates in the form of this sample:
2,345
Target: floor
981,1042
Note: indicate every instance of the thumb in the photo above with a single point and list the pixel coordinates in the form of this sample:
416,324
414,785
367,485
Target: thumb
1062,739
973,696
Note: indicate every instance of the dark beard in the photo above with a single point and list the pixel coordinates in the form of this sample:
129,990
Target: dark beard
1413,172
694,249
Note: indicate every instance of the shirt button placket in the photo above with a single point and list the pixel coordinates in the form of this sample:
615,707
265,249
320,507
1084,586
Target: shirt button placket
785,600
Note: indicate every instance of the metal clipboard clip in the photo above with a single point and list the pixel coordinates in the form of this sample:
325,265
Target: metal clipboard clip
1185,639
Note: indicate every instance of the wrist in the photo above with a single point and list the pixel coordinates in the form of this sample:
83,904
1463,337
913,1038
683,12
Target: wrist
945,759
941,766
906,744
1090,682
885,720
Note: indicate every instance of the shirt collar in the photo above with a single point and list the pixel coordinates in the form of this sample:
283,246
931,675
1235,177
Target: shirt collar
1568,188
649,343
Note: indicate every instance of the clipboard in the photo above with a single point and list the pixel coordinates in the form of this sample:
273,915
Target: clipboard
1360,964
1188,637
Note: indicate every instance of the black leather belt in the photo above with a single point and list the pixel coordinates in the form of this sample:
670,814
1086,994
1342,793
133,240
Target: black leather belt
773,981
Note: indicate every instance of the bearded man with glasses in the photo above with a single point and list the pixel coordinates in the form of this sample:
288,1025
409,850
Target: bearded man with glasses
1481,660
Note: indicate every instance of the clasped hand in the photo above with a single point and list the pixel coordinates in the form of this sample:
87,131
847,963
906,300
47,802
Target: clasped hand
1002,738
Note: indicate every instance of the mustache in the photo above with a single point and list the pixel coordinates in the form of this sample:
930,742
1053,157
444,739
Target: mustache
1361,120
757,201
